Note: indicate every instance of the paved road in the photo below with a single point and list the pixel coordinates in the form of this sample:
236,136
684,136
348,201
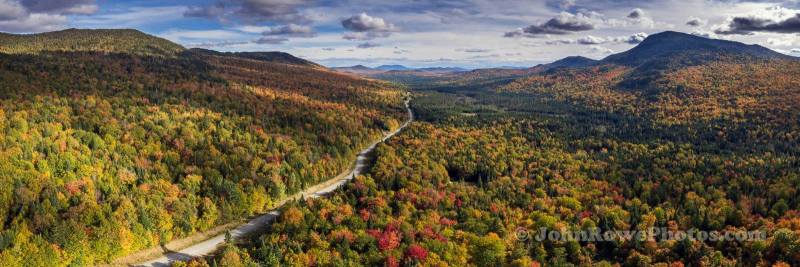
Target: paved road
207,247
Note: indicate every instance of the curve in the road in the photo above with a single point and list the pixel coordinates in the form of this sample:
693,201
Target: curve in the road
210,245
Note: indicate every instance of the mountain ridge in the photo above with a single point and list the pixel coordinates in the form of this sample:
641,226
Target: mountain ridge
89,40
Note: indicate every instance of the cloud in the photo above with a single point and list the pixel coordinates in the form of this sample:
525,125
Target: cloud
696,22
636,13
365,36
473,50
273,10
795,51
60,6
329,49
560,4
252,11
28,16
560,42
633,38
750,25
217,44
564,23
780,41
365,23
271,40
34,23
210,11
11,10
594,40
600,50
710,35
591,40
368,45
364,27
292,30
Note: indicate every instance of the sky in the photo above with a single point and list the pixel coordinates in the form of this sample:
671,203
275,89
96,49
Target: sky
418,33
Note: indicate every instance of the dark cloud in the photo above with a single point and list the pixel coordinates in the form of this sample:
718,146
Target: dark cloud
60,6
564,23
292,30
272,40
368,45
636,13
364,27
695,22
273,10
365,23
253,11
29,16
750,25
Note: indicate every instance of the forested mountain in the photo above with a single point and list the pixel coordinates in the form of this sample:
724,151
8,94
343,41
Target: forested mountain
568,62
80,40
712,146
114,141
687,49
274,57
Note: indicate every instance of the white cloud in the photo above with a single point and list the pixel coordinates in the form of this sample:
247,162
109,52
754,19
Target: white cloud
34,23
600,50
591,40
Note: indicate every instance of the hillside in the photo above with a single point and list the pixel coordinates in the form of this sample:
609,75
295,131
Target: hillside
106,153
79,40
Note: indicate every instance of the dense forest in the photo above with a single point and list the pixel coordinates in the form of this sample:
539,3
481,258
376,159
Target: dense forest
109,147
706,146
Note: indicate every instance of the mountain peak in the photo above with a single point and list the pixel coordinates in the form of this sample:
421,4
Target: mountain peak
686,49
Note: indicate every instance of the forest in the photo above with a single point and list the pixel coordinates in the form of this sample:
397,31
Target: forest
709,147
112,147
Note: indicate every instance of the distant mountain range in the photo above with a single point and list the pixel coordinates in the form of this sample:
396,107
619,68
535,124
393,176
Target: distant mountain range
364,70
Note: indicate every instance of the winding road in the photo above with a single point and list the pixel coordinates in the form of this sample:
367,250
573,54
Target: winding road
208,246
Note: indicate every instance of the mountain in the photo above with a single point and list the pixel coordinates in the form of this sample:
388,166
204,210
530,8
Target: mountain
569,62
80,40
274,57
678,78
683,49
392,67
114,141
